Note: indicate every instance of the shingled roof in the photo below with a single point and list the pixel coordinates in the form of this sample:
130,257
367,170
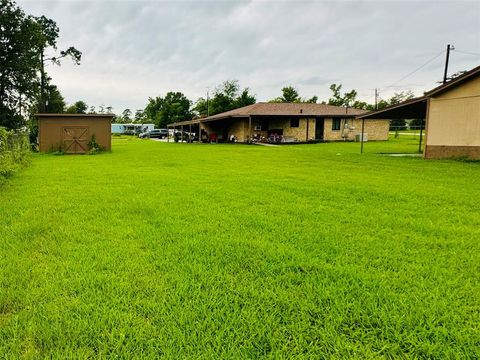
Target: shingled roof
287,109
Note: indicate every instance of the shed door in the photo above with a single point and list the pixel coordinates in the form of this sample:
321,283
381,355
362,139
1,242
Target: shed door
75,140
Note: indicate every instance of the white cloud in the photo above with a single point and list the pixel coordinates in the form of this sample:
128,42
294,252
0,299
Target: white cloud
134,49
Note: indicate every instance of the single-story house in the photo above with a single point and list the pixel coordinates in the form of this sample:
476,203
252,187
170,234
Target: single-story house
290,122
71,133
452,117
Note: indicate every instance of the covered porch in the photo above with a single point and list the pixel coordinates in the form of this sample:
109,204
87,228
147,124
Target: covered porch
416,108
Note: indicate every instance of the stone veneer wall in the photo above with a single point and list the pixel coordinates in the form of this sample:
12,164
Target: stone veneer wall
298,133
376,130
239,128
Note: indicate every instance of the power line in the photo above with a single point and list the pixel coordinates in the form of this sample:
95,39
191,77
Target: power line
414,71
467,52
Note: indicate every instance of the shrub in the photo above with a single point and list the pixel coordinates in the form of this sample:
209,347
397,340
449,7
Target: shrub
14,151
93,146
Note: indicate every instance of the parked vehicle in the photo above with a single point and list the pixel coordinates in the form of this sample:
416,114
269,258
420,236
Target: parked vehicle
154,134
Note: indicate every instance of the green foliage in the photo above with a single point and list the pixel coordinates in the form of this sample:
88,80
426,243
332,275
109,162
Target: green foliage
175,106
93,146
55,103
80,107
19,63
337,99
397,98
416,124
193,251
291,95
227,96
24,85
140,116
14,150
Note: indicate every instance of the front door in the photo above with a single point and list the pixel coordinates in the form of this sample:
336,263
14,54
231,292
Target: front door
319,125
75,140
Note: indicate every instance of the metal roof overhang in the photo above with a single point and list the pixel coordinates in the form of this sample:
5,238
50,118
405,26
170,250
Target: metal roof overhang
182,123
410,109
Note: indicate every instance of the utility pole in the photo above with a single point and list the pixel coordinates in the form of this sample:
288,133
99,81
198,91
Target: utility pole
43,104
208,110
449,47
376,99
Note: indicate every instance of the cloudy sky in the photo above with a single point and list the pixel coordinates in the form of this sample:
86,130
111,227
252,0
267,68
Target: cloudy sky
133,50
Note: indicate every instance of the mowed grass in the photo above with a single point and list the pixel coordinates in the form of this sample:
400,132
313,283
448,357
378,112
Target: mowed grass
235,251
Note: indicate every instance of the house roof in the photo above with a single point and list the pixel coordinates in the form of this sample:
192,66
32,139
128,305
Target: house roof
287,109
411,109
280,109
455,82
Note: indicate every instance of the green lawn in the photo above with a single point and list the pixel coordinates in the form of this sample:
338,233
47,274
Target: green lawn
233,251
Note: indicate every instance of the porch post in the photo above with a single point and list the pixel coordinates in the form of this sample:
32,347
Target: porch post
249,128
181,132
168,134
306,136
421,133
363,133
190,133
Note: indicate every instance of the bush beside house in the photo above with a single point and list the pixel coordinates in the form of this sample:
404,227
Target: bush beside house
14,151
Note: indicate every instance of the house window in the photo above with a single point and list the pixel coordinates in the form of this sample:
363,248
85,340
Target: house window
294,122
336,124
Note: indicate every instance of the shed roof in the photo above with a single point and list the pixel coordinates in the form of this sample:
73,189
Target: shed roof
411,109
43,115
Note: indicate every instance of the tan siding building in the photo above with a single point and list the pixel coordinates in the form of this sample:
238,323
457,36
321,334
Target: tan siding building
71,133
452,116
453,122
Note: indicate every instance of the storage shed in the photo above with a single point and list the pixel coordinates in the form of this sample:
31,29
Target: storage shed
71,133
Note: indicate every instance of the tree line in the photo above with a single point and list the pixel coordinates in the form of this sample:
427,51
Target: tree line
29,43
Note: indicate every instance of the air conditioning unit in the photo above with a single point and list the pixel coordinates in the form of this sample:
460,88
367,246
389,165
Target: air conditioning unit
358,137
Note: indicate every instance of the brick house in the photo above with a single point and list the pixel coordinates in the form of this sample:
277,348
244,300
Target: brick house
451,113
293,122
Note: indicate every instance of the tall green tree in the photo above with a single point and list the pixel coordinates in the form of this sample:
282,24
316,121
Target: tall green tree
127,116
227,96
175,106
290,95
19,64
339,99
55,103
80,107
140,116
48,35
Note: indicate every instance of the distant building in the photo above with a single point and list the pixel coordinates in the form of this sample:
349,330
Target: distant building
290,122
452,115
131,128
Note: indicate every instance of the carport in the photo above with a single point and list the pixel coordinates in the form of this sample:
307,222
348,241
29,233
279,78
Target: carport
411,109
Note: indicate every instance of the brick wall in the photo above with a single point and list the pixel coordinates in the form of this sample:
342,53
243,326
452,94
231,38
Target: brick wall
376,130
239,128
298,133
